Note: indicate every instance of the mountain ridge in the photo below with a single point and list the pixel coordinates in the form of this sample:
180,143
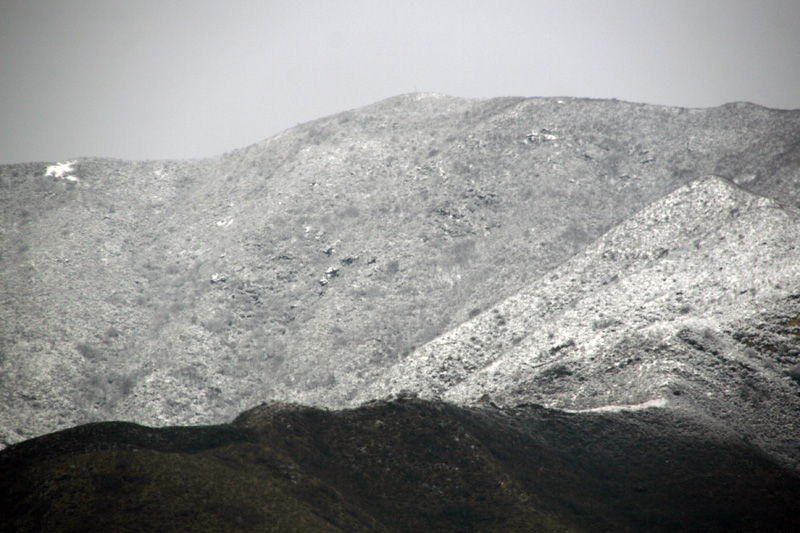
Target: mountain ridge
425,314
401,465
612,325
184,292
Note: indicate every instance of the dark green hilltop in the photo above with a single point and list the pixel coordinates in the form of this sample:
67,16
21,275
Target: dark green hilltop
402,465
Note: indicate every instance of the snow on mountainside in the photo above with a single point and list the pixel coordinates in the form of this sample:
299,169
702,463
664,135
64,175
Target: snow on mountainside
302,267
598,303
664,310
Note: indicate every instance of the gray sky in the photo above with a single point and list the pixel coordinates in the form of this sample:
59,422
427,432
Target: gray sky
153,79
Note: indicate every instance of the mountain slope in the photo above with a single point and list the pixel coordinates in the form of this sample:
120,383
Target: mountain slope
670,308
302,267
398,466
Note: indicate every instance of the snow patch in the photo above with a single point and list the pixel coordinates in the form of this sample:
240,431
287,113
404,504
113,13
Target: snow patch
61,171
659,402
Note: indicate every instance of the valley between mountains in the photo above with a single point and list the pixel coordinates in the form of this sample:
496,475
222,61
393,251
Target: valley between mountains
556,282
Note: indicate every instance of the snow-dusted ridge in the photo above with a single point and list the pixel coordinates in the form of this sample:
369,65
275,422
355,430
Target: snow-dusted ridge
124,300
647,316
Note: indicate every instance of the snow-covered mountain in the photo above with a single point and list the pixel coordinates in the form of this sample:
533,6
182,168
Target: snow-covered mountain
541,314
691,304
303,267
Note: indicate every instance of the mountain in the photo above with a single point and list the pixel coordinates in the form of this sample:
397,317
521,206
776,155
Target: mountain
692,304
404,465
306,267
450,315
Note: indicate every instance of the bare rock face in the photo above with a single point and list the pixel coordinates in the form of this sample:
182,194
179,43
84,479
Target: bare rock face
671,309
303,267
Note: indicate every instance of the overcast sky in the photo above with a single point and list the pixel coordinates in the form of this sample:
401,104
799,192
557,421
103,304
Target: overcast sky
155,79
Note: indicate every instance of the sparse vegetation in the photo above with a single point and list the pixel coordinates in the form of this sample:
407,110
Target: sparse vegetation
794,372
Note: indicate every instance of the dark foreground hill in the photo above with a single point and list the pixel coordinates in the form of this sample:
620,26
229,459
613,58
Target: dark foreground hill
303,267
405,465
